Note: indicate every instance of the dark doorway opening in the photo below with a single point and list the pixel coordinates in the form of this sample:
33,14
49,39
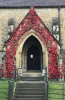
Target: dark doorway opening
33,58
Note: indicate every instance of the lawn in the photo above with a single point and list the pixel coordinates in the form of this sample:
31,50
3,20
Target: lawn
4,89
55,91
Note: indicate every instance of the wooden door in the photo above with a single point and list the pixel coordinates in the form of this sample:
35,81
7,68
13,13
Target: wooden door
33,58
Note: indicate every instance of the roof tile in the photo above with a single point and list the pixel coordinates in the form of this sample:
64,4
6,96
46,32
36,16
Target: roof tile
25,3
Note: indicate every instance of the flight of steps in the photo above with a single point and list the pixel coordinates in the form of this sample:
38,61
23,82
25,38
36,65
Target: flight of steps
30,88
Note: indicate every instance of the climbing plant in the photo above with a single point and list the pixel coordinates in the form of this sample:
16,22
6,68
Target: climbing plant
32,21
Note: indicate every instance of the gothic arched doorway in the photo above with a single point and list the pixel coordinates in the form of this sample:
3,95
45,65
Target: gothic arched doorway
33,58
32,55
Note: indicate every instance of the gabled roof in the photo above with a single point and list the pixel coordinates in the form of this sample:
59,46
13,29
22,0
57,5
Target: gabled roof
28,3
31,21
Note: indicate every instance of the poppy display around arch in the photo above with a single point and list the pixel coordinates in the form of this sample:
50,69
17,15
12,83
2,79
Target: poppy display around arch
31,21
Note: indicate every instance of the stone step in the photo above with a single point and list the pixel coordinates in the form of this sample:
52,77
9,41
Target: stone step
29,96
31,82
29,86
32,78
29,93
32,74
29,99
30,89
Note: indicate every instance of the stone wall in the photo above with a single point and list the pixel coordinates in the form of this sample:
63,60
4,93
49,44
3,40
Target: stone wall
45,14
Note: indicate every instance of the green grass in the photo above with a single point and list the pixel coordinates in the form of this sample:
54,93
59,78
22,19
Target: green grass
4,88
51,89
55,90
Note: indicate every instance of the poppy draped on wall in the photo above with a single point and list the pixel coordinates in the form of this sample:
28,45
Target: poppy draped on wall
32,21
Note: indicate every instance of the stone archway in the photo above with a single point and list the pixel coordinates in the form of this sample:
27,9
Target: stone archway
24,46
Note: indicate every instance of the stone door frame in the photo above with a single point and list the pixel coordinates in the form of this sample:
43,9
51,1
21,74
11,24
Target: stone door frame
20,50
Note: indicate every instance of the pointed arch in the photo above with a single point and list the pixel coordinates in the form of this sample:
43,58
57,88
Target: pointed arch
32,21
22,44
29,34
